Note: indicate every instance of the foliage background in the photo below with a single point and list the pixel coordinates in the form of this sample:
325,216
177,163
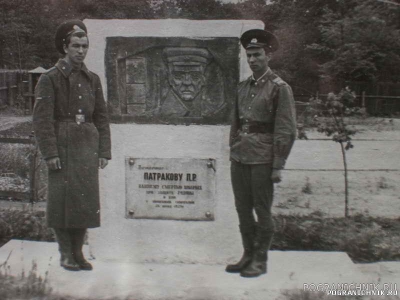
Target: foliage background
325,43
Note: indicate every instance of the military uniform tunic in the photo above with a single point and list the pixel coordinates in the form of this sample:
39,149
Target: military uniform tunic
267,100
61,94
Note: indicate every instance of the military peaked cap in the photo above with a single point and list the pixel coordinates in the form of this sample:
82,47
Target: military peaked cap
258,38
65,29
188,55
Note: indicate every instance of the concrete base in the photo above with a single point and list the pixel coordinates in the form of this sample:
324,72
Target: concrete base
112,279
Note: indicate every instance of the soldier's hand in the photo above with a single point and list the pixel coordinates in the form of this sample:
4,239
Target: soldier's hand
54,163
103,162
276,176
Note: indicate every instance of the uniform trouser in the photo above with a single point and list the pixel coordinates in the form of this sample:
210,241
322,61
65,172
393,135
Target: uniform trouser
253,190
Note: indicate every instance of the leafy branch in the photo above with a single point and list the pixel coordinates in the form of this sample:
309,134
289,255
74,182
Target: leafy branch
333,125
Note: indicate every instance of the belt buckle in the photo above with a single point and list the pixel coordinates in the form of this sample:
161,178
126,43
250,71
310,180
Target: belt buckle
246,128
79,119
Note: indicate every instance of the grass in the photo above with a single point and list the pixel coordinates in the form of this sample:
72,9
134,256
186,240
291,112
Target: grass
362,123
307,187
382,183
27,286
363,238
30,286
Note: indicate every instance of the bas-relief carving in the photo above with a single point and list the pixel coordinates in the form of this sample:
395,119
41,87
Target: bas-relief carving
181,84
187,93
174,83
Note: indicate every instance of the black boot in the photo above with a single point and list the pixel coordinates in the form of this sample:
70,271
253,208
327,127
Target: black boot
64,246
78,239
248,244
258,264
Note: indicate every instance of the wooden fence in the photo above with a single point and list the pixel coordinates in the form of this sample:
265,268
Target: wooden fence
11,85
375,105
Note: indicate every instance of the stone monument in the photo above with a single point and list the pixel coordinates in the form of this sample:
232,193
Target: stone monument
170,84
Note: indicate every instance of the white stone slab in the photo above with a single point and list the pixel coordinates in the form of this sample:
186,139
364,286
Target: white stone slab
286,270
140,240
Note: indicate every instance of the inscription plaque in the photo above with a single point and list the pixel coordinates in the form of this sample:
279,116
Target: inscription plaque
170,188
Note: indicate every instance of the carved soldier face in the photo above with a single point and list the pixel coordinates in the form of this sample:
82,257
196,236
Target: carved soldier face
186,80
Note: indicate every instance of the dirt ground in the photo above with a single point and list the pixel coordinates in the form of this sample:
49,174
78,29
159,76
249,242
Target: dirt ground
370,193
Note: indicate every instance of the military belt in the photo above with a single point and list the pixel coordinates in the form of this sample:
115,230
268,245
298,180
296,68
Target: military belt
257,127
75,119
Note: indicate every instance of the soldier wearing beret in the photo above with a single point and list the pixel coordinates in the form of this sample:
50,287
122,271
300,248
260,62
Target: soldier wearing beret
262,134
72,130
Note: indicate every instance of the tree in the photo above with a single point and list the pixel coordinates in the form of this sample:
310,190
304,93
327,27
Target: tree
334,125
296,25
27,34
360,41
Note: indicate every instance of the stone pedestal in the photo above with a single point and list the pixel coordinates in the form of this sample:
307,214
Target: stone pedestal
287,270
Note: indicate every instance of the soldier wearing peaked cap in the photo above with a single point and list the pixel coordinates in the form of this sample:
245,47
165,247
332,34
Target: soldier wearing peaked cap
186,92
262,134
72,130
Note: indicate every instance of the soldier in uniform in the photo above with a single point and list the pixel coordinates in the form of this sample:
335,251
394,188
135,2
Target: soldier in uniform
72,130
262,134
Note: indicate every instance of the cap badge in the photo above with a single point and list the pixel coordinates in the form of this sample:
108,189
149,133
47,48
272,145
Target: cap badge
254,40
75,29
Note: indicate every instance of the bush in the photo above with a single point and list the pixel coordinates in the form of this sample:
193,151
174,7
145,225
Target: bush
25,224
365,239
16,159
21,130
16,110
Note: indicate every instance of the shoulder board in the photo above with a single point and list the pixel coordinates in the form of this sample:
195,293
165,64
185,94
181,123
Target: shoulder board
94,74
245,80
50,70
277,80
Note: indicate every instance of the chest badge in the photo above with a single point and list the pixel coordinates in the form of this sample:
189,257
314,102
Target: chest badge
79,119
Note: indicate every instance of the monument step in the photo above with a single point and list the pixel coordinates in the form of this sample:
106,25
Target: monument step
156,281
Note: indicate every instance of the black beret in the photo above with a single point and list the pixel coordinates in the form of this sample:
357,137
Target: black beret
258,38
65,29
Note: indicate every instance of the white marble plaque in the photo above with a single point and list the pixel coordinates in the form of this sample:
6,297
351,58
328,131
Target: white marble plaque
170,188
